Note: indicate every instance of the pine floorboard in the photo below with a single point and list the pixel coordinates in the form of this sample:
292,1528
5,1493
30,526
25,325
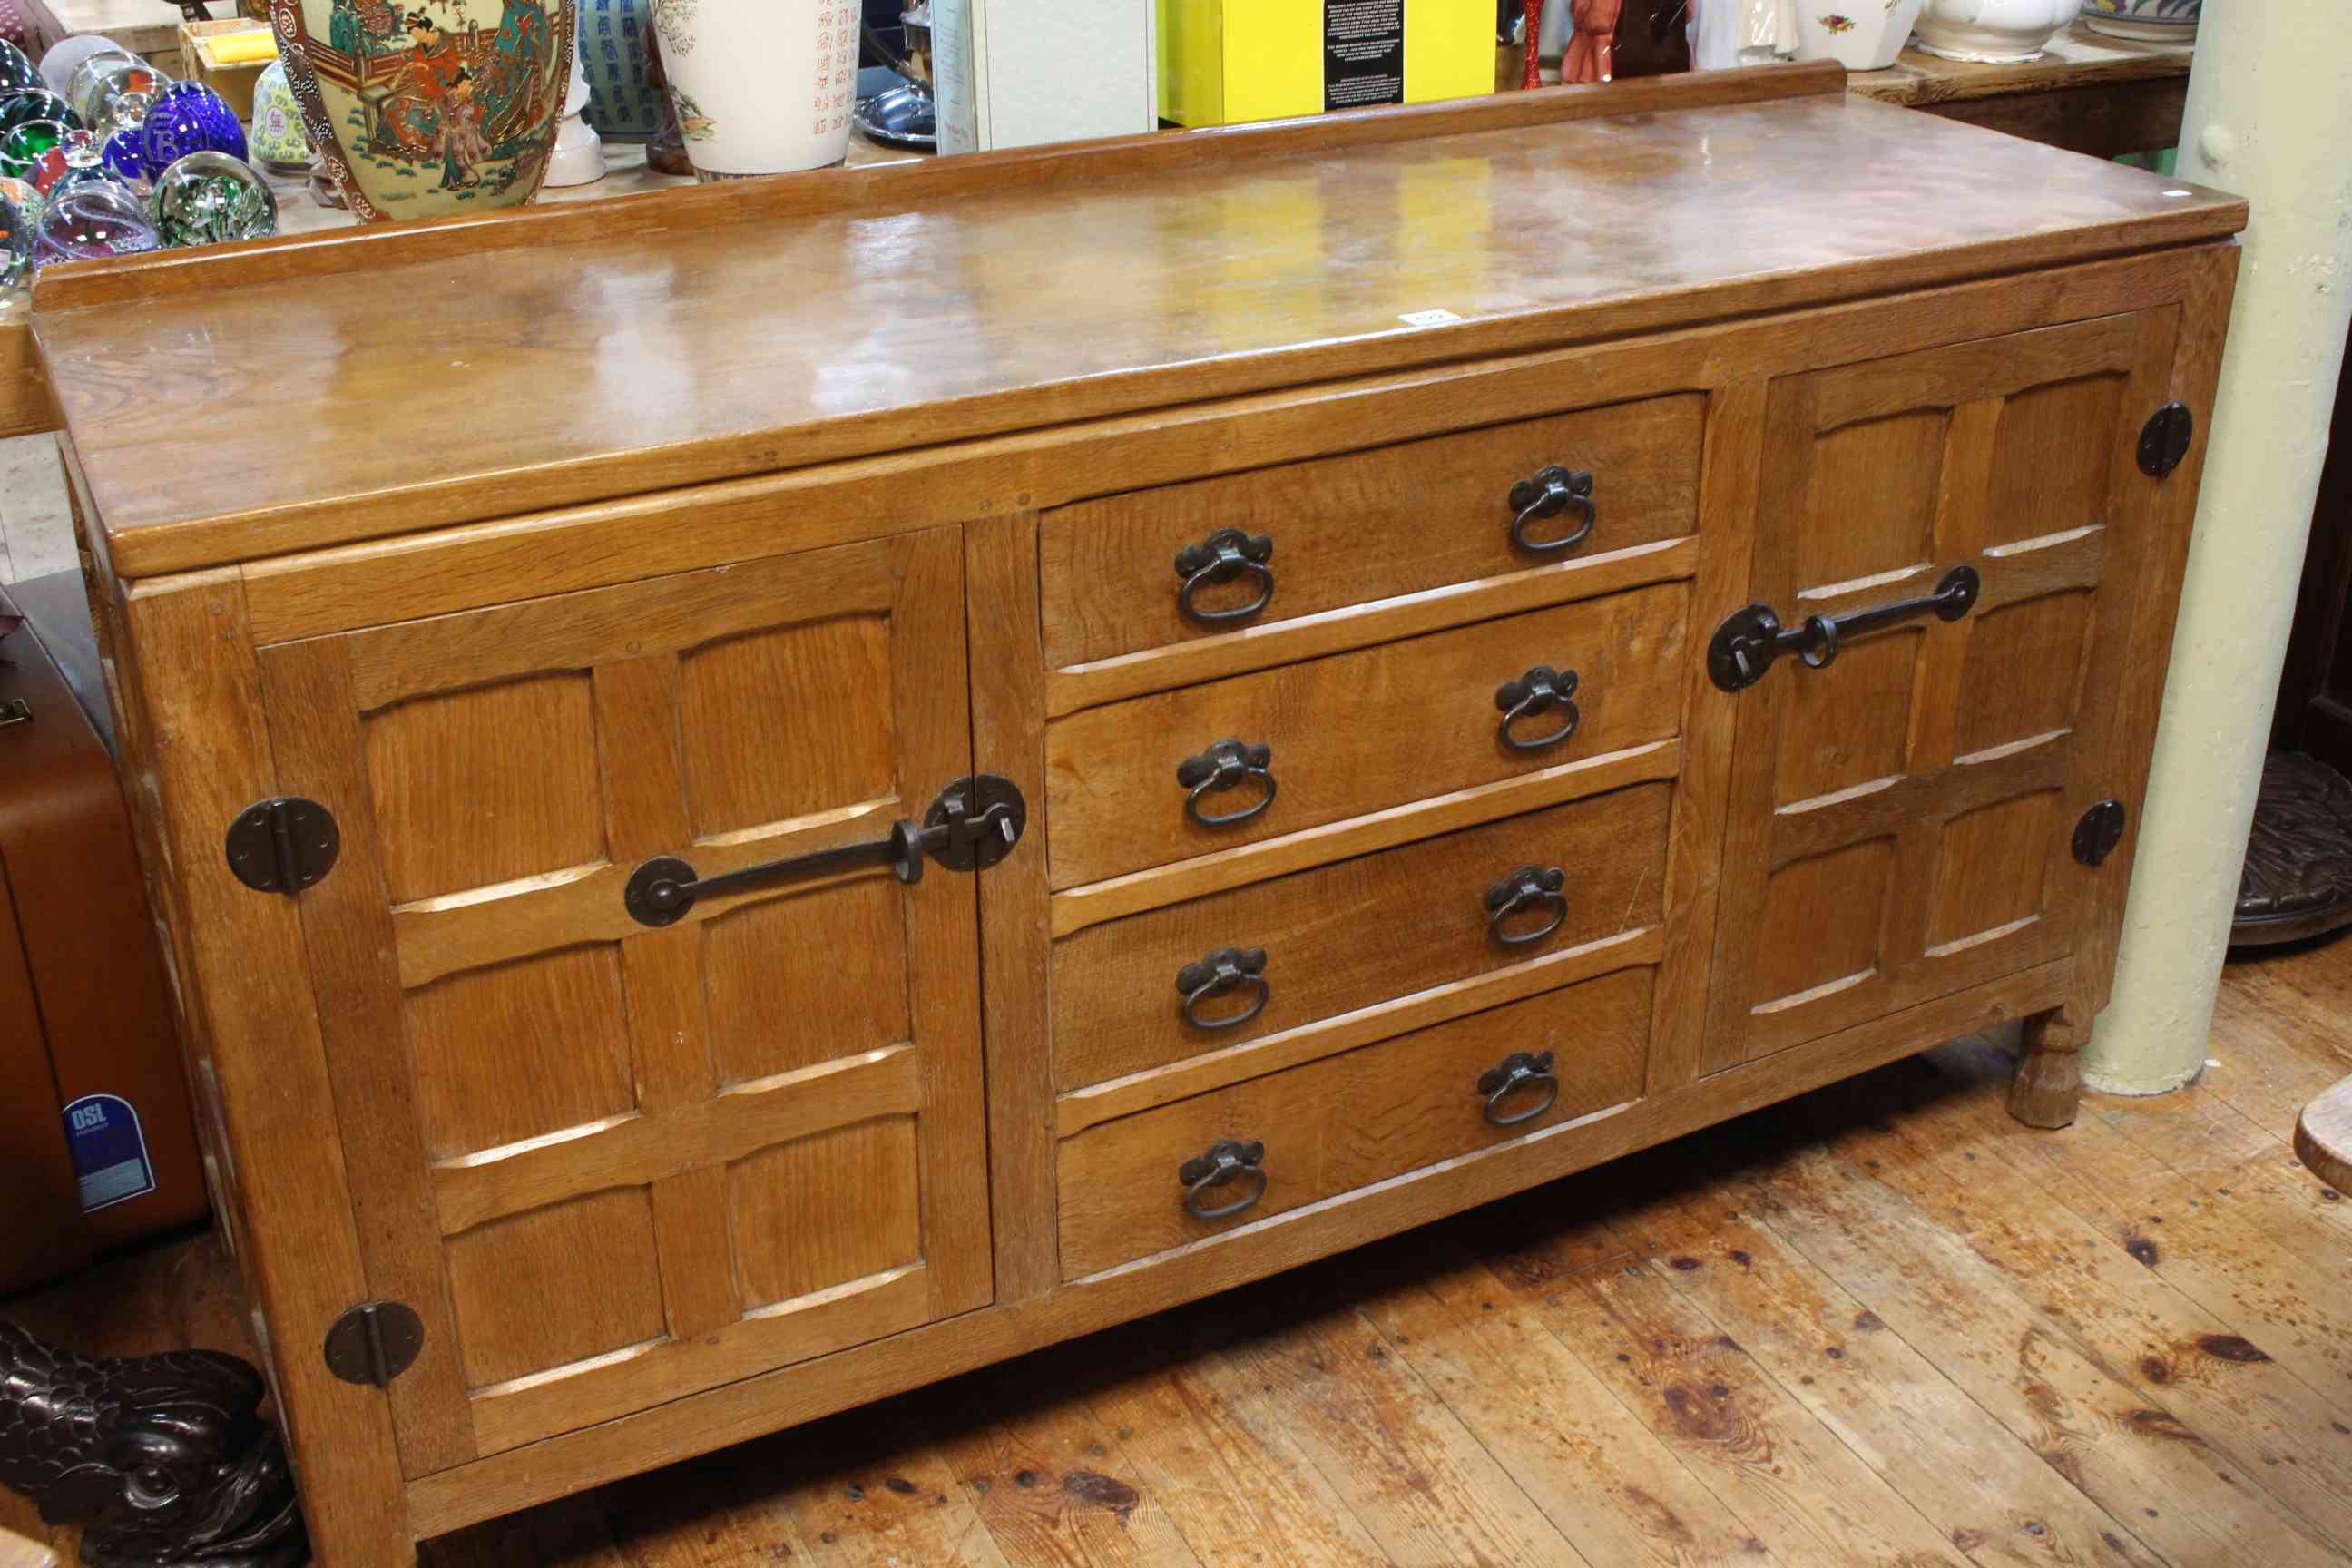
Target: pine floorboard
1881,1324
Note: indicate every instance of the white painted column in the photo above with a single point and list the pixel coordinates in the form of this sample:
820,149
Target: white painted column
2270,117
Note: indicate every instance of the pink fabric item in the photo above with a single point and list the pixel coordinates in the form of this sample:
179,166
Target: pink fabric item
14,29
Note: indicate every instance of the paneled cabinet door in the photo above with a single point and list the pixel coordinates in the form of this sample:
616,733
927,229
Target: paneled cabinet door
606,1162
1901,815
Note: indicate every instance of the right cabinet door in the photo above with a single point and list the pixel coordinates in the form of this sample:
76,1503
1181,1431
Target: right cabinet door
1905,796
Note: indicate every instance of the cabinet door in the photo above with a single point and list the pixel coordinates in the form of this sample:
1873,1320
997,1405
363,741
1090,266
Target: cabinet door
608,1163
1902,817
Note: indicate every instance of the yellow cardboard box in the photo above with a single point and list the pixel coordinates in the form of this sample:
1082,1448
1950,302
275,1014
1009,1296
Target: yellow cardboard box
1224,61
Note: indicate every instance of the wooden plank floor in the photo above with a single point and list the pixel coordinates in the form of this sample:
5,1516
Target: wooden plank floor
1883,1324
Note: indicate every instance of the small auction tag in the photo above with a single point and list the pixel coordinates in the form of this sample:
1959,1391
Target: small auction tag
1428,318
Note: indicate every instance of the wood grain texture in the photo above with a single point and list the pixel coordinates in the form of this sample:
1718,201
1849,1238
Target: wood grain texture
1447,1328
1351,934
1333,723
1897,200
2323,1136
1371,525
1008,729
1347,1121
469,566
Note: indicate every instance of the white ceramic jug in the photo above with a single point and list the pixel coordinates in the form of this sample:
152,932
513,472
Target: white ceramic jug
1993,30
762,86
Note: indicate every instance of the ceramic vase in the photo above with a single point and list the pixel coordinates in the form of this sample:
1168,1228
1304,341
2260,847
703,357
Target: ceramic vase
1861,34
624,102
1995,31
276,138
432,109
2147,21
761,87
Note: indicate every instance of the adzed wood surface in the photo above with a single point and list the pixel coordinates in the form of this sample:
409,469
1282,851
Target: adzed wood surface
1879,1323
684,340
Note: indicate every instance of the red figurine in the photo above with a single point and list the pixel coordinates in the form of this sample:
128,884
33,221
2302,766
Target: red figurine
1534,9
1593,41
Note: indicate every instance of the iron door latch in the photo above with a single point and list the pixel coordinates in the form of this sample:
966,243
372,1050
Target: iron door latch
973,823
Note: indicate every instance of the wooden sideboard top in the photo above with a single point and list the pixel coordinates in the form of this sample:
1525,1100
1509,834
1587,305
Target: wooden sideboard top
319,390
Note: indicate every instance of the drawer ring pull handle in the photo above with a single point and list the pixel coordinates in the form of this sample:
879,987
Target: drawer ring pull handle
1225,1164
1223,973
1514,1072
1222,557
1550,492
1526,887
1539,690
1225,766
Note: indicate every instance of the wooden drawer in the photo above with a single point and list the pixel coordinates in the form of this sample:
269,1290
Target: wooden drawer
1347,1121
1363,526
1357,731
1352,934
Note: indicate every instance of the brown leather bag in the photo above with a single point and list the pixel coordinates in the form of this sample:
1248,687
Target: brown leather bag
97,1146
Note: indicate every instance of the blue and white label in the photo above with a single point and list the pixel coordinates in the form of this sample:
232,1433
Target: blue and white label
109,1151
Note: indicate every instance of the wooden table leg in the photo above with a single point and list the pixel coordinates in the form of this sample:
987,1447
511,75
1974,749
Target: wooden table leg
2048,1084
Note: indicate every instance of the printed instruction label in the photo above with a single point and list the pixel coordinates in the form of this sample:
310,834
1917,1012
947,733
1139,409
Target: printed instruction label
109,1151
1363,52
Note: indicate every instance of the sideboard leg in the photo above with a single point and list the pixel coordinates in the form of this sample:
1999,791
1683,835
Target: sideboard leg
2048,1083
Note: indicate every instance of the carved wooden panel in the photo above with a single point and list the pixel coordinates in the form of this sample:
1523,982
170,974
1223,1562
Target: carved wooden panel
611,1163
1901,819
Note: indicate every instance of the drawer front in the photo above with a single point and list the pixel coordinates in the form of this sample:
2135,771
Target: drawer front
1130,784
1347,530
1347,1122
1137,993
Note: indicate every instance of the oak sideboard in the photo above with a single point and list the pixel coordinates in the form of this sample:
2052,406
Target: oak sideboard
767,793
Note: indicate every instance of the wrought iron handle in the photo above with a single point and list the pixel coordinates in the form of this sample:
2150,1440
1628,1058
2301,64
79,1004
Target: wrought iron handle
1221,973
1226,1162
1224,556
973,823
1526,887
1225,766
1514,1072
1539,690
1550,492
1747,642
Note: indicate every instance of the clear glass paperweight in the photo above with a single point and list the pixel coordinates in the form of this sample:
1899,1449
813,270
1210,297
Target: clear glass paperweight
20,209
77,152
16,67
208,198
25,104
101,78
90,223
22,146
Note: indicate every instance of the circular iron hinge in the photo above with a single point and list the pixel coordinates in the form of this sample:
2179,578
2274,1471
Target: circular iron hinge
374,1342
2164,439
283,844
973,798
2099,831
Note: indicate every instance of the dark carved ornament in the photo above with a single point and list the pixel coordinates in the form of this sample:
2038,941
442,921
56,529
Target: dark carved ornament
2297,880
163,1461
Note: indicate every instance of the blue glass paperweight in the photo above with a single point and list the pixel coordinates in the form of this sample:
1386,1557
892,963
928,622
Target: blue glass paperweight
188,116
123,158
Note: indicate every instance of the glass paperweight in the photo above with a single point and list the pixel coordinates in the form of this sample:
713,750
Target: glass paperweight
125,111
20,209
188,116
77,150
90,222
122,157
277,136
34,103
16,67
23,145
67,55
101,78
209,198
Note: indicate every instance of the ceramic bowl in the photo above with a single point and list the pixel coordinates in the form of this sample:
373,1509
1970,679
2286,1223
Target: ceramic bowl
1861,34
2149,21
1994,31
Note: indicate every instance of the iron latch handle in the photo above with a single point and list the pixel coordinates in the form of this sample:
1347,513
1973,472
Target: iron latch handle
1224,556
1751,641
1548,493
973,823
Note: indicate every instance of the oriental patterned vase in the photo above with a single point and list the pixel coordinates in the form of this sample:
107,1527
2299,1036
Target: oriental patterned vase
425,109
